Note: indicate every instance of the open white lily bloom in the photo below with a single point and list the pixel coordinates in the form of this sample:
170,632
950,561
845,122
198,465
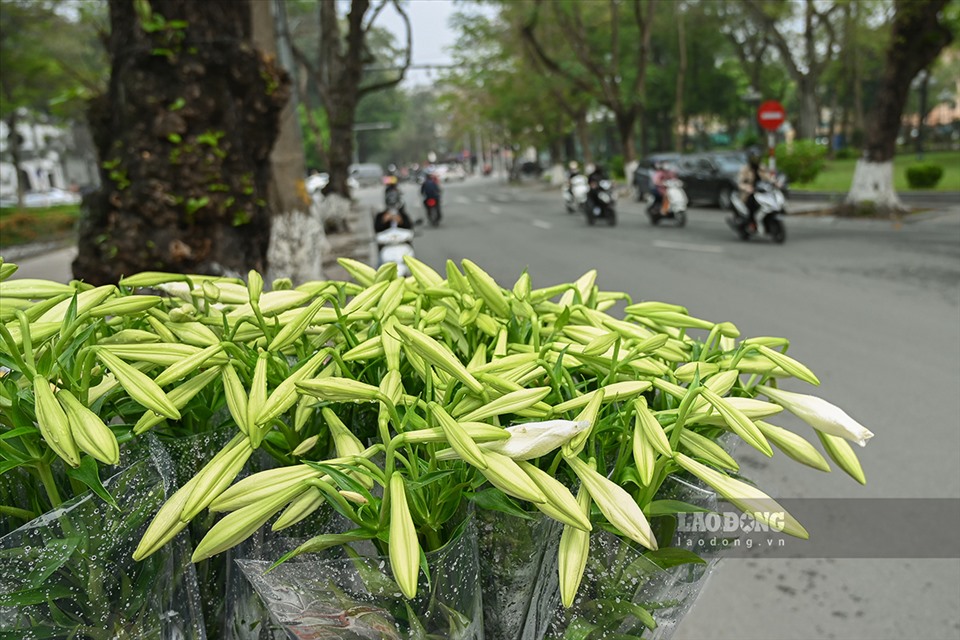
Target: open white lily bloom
535,439
820,414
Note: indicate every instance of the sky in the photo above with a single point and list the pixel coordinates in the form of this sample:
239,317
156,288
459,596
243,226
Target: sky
432,35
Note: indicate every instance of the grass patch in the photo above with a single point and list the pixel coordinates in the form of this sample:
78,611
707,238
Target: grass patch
837,175
23,226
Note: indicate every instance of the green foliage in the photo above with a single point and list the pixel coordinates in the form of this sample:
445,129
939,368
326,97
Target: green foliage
616,167
924,176
801,161
847,153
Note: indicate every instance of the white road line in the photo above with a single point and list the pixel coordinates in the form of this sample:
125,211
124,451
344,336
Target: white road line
461,200
682,246
541,224
496,210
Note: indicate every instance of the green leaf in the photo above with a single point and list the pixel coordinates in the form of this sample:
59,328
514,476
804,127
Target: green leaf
621,609
88,474
667,507
495,500
673,556
428,478
35,595
19,431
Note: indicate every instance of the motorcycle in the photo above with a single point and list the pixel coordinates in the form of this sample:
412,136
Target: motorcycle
771,208
676,204
575,194
432,205
395,243
600,204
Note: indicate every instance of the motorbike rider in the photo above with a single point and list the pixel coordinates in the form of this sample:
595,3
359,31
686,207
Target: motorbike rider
593,180
750,174
431,188
390,218
661,174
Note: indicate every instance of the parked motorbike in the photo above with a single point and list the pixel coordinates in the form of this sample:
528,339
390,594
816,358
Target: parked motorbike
395,243
676,199
769,222
601,203
575,194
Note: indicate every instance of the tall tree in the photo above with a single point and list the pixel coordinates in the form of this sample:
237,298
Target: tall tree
919,32
806,62
341,77
184,135
297,237
604,65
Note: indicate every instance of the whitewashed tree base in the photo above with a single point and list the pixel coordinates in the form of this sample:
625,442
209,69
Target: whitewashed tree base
557,175
873,186
298,242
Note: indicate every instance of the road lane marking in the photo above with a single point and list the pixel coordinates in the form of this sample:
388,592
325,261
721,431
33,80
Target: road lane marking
496,210
542,224
683,246
461,200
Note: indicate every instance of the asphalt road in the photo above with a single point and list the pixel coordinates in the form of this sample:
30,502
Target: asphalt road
874,310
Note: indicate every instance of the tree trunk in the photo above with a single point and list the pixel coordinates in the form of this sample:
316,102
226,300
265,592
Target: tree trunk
584,136
184,136
916,22
15,156
809,111
297,238
678,118
625,124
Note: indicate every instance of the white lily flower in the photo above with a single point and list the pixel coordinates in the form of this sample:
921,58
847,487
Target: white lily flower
820,414
535,439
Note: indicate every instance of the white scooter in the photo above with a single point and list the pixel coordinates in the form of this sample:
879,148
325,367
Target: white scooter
676,204
575,193
771,209
395,243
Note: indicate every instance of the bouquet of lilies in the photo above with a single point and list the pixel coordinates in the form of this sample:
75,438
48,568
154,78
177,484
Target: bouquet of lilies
398,401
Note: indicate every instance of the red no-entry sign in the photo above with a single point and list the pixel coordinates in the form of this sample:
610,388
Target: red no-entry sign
771,115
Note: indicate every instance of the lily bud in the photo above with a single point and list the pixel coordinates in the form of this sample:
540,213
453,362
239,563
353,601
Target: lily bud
842,453
404,546
616,504
748,499
820,414
535,439
573,553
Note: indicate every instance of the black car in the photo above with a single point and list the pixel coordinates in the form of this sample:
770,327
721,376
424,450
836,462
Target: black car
643,176
711,177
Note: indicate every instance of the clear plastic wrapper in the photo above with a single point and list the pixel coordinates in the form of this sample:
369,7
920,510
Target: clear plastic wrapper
70,573
354,596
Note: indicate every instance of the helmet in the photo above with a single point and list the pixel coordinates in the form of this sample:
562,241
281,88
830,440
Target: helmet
573,165
753,155
391,168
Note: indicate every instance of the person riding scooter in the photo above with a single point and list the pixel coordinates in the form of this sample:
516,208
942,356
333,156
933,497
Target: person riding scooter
593,180
750,174
660,177
430,191
390,218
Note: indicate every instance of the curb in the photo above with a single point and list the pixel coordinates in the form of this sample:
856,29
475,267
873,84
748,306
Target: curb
20,252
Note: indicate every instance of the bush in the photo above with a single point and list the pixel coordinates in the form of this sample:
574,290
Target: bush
801,161
924,176
616,167
847,153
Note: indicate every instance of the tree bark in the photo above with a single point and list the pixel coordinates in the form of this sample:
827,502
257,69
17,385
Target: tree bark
916,38
184,135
